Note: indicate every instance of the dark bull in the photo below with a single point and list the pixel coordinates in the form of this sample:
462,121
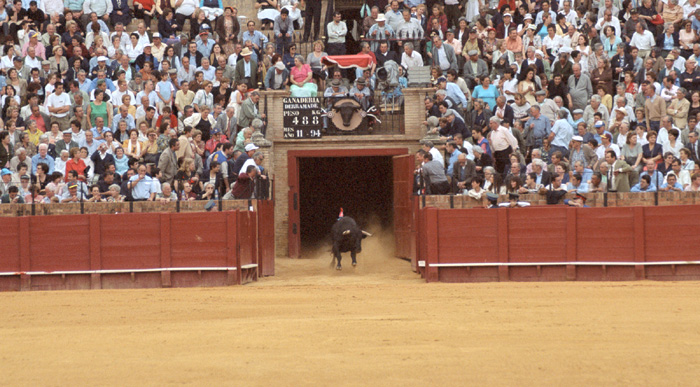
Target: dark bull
347,236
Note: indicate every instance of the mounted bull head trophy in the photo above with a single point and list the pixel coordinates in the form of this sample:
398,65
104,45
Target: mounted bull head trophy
347,115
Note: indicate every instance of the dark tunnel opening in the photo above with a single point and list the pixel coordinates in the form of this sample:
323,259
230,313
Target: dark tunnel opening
362,186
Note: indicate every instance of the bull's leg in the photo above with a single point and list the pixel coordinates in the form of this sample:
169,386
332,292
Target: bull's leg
354,258
338,256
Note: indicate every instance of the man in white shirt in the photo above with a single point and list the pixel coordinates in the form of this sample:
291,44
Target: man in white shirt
690,8
608,20
644,40
336,35
31,60
58,105
410,57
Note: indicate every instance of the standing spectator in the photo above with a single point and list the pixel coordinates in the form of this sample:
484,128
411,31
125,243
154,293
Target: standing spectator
247,69
580,89
336,35
59,105
313,16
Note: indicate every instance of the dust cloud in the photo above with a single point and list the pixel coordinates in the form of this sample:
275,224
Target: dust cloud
375,264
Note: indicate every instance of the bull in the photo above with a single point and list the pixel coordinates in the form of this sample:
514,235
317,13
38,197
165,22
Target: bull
347,236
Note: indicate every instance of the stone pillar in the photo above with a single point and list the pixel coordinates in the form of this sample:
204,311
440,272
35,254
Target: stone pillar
414,109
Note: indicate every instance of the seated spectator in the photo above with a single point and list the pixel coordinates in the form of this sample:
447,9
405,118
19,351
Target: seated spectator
300,79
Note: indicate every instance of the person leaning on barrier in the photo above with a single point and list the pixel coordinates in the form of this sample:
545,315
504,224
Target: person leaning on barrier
434,176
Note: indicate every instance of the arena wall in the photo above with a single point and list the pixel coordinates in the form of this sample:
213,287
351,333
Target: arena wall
558,243
135,250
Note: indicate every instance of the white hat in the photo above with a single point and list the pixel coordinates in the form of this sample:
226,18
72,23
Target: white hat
381,17
621,110
250,147
539,52
279,65
577,138
101,58
156,35
67,131
527,16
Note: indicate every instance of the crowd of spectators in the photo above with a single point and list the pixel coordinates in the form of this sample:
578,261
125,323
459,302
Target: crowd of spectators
555,97
93,112
529,95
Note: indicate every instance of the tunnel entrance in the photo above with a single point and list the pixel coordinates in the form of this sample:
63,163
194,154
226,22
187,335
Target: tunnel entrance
361,185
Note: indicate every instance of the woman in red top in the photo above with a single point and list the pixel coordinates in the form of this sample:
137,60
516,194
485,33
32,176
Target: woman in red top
76,164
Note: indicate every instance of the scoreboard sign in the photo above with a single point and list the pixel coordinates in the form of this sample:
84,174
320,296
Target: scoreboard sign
302,118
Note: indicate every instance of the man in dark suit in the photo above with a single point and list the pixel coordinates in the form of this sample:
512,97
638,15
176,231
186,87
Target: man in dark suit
463,171
454,125
481,160
621,63
247,69
543,176
168,161
693,146
226,122
504,112
514,171
384,54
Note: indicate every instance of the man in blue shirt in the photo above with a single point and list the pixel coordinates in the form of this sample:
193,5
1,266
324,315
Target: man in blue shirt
453,91
204,44
577,184
142,186
657,178
256,37
671,184
561,134
537,127
644,185
42,157
454,155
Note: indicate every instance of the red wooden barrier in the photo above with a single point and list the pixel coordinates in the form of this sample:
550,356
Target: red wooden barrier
129,250
559,243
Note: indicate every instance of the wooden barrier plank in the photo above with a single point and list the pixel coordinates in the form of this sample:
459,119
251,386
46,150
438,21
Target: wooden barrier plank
571,242
232,256
25,258
130,241
95,253
59,243
537,234
432,238
639,242
468,234
165,249
10,240
671,233
503,232
605,234
198,239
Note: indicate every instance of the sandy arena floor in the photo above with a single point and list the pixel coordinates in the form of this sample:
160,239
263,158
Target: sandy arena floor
377,324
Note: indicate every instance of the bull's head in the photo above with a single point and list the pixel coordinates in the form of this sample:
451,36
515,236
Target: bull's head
346,109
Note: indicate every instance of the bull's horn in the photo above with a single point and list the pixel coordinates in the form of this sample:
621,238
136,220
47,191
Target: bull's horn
346,232
366,233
